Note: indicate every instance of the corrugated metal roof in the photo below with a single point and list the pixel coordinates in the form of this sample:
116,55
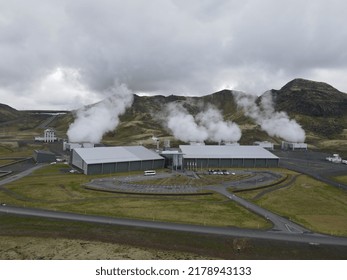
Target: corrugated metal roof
214,151
116,154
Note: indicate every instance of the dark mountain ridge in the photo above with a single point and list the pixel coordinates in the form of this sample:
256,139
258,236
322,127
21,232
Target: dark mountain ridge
318,107
310,98
8,113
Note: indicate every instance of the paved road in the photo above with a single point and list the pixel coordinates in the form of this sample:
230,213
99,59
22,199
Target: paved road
21,175
313,163
318,171
129,185
46,122
259,178
313,239
280,223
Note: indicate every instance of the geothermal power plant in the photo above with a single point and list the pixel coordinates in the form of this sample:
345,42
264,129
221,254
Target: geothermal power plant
106,160
206,126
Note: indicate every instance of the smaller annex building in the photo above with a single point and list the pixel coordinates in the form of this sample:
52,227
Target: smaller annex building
213,156
44,156
106,160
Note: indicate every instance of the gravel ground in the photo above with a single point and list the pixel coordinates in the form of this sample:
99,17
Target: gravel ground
34,248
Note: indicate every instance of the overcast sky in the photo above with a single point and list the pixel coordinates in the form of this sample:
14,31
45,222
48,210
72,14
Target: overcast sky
61,54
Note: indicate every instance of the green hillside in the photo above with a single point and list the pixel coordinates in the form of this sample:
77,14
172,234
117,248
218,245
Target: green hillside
146,117
311,98
318,107
7,113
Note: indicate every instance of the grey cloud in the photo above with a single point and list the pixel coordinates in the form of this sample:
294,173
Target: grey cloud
171,46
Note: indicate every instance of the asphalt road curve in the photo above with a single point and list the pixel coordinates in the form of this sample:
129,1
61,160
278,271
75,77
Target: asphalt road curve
305,237
280,223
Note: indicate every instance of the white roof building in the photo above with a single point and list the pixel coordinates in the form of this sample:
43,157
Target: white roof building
101,160
227,156
216,151
264,144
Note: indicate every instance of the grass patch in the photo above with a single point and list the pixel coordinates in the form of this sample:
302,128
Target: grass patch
5,162
341,179
38,238
16,151
309,202
50,188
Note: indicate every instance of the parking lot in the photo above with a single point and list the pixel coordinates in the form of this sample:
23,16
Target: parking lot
313,164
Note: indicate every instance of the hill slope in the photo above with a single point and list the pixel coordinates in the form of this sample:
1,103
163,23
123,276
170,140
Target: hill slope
311,98
146,116
8,113
318,107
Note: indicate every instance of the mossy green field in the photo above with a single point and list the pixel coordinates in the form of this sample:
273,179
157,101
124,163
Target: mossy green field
315,205
50,188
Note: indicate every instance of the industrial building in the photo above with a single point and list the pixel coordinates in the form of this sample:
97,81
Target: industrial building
106,160
173,159
225,156
293,146
265,144
44,156
68,146
48,136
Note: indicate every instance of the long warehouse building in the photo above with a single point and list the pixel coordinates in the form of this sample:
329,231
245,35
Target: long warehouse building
106,160
226,156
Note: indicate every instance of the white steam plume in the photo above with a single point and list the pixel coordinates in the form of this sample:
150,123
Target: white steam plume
93,122
274,123
207,125
218,129
183,125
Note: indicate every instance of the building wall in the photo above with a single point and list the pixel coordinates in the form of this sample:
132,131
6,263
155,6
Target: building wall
43,157
77,161
107,168
191,163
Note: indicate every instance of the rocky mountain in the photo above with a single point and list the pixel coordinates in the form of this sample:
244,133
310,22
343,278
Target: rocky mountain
318,107
311,99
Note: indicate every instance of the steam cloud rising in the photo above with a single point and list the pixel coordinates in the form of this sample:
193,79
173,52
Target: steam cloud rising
93,122
274,123
207,125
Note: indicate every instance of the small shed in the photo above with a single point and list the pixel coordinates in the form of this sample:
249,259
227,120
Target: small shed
41,156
